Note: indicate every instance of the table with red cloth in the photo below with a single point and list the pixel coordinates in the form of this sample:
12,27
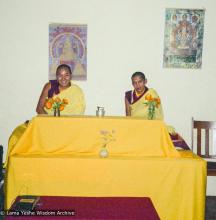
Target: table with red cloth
49,207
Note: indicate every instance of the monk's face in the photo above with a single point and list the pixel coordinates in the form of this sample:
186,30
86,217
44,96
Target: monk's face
63,77
138,84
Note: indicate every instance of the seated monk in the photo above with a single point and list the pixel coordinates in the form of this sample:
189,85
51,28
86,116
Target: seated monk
144,102
70,95
137,101
63,89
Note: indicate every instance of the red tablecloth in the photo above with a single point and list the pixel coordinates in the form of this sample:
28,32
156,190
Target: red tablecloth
90,208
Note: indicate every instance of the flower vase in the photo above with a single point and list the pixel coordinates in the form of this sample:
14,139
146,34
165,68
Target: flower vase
104,153
56,112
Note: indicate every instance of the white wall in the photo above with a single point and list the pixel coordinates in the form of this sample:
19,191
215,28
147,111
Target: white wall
123,36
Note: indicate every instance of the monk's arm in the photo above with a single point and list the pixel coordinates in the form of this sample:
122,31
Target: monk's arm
127,108
42,99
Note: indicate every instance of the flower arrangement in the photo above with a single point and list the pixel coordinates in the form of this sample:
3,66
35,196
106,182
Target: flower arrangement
152,104
56,104
107,137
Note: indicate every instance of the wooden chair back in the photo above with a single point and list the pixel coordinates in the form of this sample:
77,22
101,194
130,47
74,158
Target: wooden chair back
204,142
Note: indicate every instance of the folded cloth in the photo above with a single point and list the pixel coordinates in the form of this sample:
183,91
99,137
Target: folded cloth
178,141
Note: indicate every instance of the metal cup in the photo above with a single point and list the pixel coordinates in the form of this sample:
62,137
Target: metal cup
100,112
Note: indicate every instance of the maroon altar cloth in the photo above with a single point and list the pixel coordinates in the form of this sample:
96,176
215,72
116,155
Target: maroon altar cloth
178,141
93,208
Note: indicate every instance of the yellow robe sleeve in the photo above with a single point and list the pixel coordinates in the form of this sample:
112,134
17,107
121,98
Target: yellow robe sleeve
77,106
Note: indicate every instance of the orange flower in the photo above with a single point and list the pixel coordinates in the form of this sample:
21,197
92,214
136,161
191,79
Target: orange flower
48,105
57,99
65,101
148,97
61,107
56,103
157,100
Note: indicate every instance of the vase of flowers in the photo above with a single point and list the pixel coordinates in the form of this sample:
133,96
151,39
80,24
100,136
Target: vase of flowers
152,104
56,105
103,152
56,112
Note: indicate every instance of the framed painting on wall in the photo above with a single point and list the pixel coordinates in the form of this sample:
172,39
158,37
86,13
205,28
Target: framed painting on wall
68,45
183,38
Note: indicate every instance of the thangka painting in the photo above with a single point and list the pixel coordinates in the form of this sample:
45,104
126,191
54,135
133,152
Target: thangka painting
68,45
183,40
